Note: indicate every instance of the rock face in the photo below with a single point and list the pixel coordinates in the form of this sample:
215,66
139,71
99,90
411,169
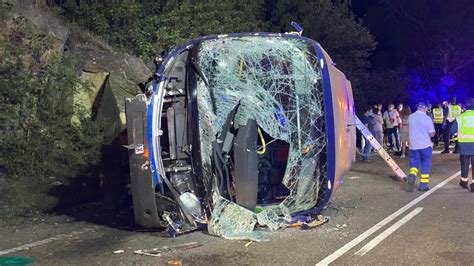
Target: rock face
111,84
110,76
95,79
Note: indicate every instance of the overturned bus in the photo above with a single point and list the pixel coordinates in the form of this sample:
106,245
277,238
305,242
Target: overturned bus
239,130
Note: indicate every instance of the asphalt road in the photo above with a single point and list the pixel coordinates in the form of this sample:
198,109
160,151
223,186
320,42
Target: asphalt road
371,223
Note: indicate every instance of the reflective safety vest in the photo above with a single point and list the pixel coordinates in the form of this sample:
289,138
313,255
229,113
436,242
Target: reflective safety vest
454,112
437,115
466,127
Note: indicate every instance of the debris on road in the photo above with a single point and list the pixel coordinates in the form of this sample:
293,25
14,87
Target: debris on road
320,220
296,224
119,251
338,226
308,222
353,177
175,262
248,244
176,228
156,252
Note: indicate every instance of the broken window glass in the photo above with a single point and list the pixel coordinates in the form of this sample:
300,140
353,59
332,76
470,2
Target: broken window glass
276,82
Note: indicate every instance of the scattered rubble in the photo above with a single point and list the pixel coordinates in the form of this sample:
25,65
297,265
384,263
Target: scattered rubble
157,252
353,177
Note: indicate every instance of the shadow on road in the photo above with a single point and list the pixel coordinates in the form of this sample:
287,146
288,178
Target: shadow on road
103,198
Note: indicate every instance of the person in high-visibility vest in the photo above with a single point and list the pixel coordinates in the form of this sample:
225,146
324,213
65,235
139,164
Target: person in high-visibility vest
420,132
438,119
454,111
465,131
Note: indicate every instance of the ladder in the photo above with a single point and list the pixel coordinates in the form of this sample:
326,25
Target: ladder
376,145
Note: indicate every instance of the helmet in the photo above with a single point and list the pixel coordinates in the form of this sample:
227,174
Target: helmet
470,103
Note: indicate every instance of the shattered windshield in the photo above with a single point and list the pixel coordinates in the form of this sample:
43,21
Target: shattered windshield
275,81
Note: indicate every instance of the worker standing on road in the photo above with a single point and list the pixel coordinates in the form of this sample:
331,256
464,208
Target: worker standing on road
392,120
420,132
367,120
438,122
384,128
454,111
377,122
404,126
464,126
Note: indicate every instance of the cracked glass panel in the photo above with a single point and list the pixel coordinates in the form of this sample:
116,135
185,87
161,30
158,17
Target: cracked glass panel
277,82
232,221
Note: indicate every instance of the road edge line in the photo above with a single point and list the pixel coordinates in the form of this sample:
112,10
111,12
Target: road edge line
44,241
378,239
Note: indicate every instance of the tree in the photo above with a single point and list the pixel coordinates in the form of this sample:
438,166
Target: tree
112,21
148,27
332,23
162,24
435,43
183,20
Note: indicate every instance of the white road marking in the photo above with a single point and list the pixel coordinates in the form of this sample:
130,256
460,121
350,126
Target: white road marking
377,240
341,251
44,241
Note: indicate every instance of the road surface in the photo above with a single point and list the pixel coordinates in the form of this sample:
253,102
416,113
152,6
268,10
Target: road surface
373,221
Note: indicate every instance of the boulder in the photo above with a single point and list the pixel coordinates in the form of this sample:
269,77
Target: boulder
111,110
85,97
124,74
